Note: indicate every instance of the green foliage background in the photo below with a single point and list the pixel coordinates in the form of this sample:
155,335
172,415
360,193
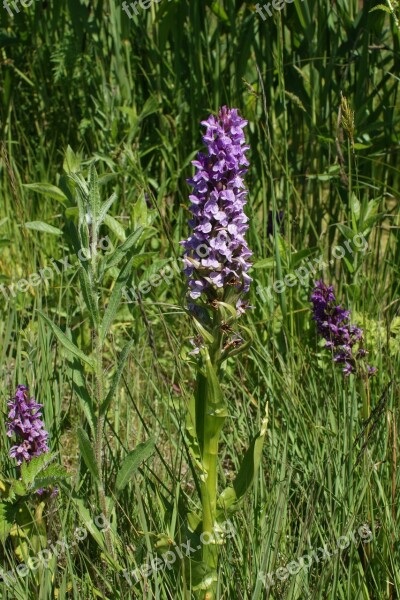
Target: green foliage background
130,94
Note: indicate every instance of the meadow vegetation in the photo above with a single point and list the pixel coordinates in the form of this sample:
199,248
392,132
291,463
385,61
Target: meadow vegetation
99,120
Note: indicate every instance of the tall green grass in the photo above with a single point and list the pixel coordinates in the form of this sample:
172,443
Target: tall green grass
131,94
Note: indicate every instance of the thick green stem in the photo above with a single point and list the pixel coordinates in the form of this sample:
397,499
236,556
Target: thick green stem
209,501
209,490
210,434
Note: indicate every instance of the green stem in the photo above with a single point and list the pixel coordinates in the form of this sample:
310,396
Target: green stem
209,487
100,393
99,375
209,490
209,500
366,410
99,439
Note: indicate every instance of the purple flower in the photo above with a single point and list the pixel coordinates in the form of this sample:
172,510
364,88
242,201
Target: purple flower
25,422
53,492
216,254
333,324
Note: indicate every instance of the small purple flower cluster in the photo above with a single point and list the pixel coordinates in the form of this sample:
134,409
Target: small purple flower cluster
333,324
216,253
25,421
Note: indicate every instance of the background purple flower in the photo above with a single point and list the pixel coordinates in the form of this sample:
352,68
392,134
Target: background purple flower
333,324
25,422
216,253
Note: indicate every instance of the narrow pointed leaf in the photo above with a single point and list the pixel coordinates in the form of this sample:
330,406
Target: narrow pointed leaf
83,395
115,300
231,496
133,461
94,195
115,227
123,249
47,189
88,296
117,376
105,208
68,345
43,227
86,448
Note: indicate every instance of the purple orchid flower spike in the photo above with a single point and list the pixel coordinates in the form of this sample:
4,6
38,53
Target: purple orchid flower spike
25,421
333,324
216,253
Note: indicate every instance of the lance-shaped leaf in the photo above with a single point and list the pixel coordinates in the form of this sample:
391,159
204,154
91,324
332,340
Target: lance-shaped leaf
115,300
105,208
88,296
67,187
191,437
94,196
43,227
115,227
72,161
79,385
47,189
83,195
86,448
84,237
230,498
86,517
72,235
66,342
133,461
117,376
192,443
124,248
211,407
206,335
81,198
228,312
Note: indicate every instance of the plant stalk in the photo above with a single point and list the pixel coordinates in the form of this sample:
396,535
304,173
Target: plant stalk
99,375
99,439
209,485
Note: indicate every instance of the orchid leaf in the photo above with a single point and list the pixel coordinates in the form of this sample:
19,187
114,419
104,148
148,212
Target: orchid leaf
230,498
